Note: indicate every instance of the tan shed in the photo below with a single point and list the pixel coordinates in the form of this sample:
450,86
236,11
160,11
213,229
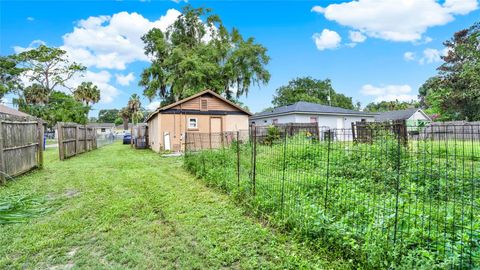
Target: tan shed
205,112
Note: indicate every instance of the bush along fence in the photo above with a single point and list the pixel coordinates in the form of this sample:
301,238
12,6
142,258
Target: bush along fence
21,145
385,202
74,139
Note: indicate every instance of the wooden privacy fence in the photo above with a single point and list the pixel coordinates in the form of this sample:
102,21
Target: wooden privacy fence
21,146
74,139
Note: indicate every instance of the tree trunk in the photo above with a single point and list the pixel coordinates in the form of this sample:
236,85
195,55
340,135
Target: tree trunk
125,123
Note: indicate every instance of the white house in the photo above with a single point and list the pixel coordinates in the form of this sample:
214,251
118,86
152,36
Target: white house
413,116
306,112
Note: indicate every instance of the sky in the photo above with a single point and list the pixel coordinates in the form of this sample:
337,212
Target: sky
371,50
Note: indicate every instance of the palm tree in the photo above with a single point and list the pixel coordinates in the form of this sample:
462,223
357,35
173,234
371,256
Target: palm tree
88,93
35,94
134,105
124,113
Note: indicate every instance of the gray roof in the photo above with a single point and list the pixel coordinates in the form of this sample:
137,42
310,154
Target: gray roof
396,115
102,125
307,107
11,111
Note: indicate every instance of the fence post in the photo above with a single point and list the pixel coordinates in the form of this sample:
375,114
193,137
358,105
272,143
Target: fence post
238,159
86,138
2,160
283,170
254,157
397,184
60,141
77,131
329,141
40,143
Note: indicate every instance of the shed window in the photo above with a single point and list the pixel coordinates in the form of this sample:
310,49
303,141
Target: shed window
103,130
313,119
275,121
192,123
204,104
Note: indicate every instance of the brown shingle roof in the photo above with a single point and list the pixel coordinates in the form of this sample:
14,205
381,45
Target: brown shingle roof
11,111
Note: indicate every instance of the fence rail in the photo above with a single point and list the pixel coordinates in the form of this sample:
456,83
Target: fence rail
21,146
387,201
74,139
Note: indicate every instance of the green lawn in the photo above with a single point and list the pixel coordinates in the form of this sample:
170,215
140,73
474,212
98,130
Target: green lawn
120,208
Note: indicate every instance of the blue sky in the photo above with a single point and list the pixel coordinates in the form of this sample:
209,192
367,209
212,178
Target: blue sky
370,49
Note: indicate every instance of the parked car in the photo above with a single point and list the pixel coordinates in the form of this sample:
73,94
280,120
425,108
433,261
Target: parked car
127,138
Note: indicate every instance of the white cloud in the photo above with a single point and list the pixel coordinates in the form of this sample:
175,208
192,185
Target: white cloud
102,79
112,42
395,20
125,80
461,7
153,105
356,36
327,39
409,56
30,19
34,44
389,92
432,56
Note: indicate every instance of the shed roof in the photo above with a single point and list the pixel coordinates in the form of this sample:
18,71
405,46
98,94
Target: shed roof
11,111
195,96
102,125
398,115
308,107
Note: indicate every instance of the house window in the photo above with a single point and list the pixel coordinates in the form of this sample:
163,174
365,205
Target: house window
313,119
203,104
192,123
275,121
103,129
364,120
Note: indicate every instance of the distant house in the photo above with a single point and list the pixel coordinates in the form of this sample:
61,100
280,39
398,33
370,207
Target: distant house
414,117
120,129
103,128
205,112
306,112
4,110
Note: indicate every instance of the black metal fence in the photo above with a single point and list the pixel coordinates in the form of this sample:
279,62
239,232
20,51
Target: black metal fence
383,203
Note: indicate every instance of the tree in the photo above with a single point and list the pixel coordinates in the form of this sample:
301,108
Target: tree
35,94
196,53
48,67
134,106
125,114
108,116
61,108
9,75
310,90
454,93
118,121
384,106
88,93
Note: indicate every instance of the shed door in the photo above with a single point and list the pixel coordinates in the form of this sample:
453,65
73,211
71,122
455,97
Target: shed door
215,125
166,141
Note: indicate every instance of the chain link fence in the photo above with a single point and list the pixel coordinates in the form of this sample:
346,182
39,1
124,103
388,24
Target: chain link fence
394,200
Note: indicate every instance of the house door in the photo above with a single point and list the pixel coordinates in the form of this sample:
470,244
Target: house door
216,138
215,125
166,141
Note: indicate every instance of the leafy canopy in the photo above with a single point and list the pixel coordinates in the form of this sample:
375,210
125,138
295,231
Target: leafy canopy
48,67
61,108
384,106
310,90
9,75
454,93
108,115
196,53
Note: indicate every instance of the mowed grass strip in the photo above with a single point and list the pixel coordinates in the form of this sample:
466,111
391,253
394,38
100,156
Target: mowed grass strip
119,208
